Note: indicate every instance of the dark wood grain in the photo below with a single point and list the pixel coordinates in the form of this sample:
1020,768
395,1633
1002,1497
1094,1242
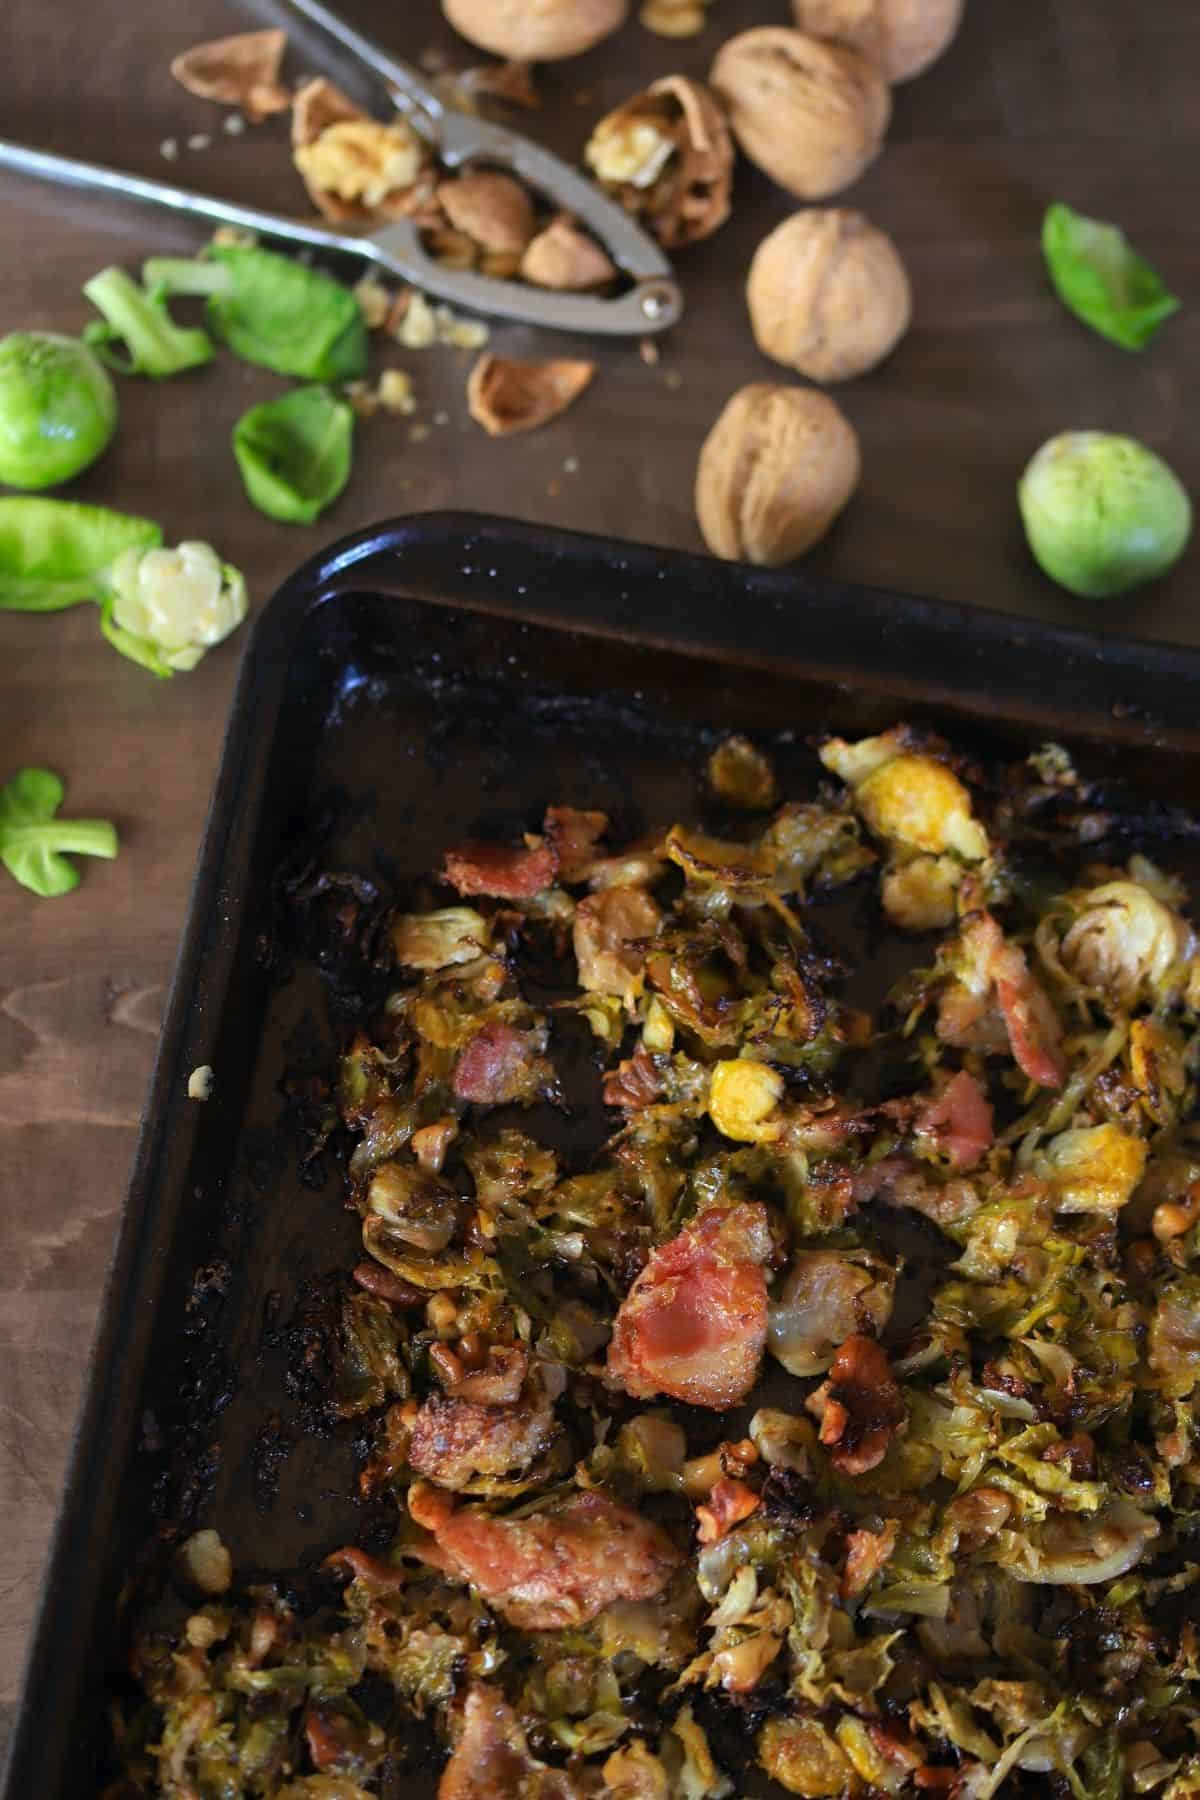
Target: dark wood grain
1092,101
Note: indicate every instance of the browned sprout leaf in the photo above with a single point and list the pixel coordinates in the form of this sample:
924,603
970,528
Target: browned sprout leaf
356,169
239,71
741,775
566,258
506,396
668,157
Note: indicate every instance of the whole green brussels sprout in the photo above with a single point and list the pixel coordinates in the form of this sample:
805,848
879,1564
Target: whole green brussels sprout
1102,513
58,408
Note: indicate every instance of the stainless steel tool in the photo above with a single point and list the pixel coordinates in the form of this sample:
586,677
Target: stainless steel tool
652,303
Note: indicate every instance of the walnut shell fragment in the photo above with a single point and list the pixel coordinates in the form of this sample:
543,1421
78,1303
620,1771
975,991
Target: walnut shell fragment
828,294
506,396
775,471
566,258
356,169
241,71
492,210
811,115
668,157
508,83
902,37
535,30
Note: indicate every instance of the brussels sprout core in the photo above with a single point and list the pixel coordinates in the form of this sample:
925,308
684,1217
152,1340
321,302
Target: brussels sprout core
1102,513
175,604
58,409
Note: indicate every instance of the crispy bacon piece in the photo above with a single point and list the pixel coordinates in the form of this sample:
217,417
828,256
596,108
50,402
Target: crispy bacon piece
500,1065
385,1578
501,869
573,836
959,1119
859,1406
336,1741
997,988
866,1554
454,1440
611,931
554,1570
727,1505
1033,1028
492,1759
694,1323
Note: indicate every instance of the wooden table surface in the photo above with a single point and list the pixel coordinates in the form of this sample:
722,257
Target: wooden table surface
1091,101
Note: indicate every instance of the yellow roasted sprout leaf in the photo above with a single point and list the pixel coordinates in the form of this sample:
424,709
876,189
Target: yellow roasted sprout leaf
440,940
742,1096
802,1757
916,801
1094,1169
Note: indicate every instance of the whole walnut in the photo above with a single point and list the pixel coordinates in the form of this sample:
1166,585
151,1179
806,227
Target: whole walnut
668,157
535,30
828,294
901,36
811,115
775,471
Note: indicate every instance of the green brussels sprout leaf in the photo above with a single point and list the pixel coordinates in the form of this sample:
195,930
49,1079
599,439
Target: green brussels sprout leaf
294,453
272,311
1102,513
34,845
1100,276
53,552
137,335
58,409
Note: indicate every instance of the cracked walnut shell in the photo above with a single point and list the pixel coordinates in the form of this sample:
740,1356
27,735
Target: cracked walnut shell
828,294
507,396
356,169
812,115
535,30
901,36
240,71
668,157
775,471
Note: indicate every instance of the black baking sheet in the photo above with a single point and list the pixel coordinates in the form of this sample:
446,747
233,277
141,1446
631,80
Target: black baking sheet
429,680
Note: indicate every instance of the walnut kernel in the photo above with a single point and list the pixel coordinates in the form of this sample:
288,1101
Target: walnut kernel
812,115
775,471
668,156
828,294
354,167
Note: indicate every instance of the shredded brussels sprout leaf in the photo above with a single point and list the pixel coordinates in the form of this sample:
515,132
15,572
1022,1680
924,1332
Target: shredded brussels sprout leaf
1098,274
294,453
35,845
271,310
137,335
53,553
